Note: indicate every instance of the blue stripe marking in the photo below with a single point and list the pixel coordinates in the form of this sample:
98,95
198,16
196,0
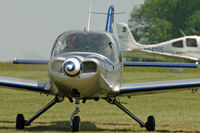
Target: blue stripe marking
110,19
16,61
161,64
154,88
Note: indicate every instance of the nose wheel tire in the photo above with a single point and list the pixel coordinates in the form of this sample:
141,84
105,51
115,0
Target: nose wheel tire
76,124
150,124
20,122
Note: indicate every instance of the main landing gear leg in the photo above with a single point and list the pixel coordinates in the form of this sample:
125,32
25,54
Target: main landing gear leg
150,124
21,123
74,119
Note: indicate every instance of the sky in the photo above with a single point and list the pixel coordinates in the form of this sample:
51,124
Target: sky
28,28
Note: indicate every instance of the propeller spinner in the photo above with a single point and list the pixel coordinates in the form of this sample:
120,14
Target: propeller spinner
72,67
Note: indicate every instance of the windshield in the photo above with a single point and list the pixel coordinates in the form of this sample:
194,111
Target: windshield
80,42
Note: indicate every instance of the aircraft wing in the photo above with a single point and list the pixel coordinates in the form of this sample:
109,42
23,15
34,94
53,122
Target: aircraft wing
20,61
132,89
24,84
161,64
156,56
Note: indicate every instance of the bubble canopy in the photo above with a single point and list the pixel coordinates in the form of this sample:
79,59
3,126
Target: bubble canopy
96,42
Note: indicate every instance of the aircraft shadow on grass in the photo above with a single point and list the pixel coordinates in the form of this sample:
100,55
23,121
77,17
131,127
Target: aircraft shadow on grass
62,126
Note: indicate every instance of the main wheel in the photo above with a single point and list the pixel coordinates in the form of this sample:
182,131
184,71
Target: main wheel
150,124
76,123
20,121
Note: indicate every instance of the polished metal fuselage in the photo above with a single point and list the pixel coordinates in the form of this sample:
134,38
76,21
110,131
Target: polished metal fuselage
99,77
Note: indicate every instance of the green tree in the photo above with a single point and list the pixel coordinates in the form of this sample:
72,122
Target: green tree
160,20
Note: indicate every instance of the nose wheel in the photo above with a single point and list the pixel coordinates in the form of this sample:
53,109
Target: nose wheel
75,121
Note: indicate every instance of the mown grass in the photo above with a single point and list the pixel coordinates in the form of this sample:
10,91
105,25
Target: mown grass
174,111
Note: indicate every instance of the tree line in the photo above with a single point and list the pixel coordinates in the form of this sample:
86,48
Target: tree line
161,20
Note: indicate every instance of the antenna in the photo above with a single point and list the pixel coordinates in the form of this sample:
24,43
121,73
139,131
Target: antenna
182,32
89,14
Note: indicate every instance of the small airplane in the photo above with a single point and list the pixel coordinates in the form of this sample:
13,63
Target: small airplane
87,65
184,47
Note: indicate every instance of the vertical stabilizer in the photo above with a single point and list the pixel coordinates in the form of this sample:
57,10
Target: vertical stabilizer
127,42
110,19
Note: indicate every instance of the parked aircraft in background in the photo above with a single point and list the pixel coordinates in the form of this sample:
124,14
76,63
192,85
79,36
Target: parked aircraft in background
187,47
87,65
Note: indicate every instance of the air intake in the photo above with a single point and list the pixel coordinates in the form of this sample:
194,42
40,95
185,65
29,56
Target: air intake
89,67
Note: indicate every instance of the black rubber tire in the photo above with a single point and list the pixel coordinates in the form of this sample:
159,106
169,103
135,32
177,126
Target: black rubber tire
76,124
20,122
150,124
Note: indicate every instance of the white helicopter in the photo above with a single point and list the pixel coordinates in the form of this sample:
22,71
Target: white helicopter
87,65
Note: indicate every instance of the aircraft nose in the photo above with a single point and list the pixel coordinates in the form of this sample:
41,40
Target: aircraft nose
72,67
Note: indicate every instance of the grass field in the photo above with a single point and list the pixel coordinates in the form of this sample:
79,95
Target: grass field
174,111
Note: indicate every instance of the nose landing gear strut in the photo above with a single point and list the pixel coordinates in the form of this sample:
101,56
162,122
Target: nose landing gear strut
75,121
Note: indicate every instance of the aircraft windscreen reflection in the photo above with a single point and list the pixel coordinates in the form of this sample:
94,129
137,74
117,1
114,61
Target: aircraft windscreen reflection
90,42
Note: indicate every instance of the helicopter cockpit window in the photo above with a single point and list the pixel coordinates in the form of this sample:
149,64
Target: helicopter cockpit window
191,42
90,42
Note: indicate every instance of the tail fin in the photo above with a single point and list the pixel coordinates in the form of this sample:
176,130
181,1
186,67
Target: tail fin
110,19
127,42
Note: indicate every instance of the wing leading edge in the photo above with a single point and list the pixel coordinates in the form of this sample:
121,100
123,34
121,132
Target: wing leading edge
19,61
131,89
157,56
24,84
161,64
